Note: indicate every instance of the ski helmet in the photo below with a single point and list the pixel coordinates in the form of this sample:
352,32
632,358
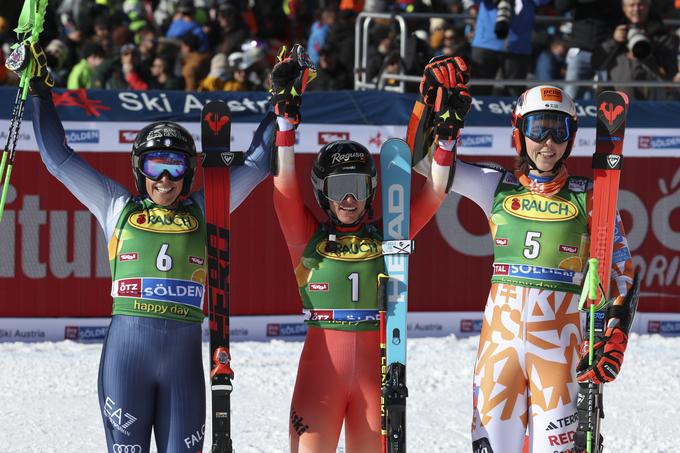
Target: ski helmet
339,158
543,99
163,135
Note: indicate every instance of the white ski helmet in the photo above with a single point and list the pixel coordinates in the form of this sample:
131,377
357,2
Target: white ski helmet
543,98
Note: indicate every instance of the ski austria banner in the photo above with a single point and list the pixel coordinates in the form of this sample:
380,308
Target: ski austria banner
54,262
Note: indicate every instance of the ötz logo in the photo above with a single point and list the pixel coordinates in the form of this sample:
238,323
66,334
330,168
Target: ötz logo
121,448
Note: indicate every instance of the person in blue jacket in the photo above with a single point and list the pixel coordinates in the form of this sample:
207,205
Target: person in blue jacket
502,41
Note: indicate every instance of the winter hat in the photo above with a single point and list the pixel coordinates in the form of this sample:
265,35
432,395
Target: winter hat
218,66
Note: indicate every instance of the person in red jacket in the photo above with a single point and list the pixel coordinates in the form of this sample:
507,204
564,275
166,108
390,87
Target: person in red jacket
337,261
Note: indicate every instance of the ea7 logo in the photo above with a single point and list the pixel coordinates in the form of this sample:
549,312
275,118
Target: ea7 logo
395,206
328,137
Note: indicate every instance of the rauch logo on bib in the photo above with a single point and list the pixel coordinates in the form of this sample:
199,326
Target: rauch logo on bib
535,207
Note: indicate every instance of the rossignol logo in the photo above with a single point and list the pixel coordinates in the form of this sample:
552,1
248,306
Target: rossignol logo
613,160
551,94
343,158
351,248
161,220
535,207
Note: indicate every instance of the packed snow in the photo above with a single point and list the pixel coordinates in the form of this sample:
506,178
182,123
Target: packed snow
48,396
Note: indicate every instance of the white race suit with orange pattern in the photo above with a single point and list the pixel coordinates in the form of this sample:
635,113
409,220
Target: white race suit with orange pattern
525,373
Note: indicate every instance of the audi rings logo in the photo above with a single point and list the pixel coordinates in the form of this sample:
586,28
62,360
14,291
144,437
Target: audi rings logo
120,448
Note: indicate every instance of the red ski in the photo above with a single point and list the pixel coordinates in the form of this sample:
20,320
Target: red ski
612,108
217,158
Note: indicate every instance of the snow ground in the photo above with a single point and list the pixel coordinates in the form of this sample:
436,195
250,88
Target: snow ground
48,396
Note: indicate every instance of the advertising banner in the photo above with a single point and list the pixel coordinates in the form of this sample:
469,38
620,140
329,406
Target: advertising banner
54,260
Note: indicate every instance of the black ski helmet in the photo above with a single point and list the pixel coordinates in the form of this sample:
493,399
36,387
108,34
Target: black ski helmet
342,157
163,135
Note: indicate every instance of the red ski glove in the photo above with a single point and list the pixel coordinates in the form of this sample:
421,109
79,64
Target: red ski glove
443,88
446,72
608,353
289,80
607,357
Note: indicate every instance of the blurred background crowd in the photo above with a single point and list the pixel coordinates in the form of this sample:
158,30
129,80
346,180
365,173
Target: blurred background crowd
230,45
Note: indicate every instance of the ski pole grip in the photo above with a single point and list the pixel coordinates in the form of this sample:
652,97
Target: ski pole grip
593,283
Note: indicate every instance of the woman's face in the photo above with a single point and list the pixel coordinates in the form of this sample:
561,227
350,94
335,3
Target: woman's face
157,67
349,211
164,192
545,154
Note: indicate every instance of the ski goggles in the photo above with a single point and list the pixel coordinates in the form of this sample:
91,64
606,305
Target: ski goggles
155,163
338,187
538,126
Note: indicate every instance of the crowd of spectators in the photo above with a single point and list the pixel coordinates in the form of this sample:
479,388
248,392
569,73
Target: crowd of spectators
230,45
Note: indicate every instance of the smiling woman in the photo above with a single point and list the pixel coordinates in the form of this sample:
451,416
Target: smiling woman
151,376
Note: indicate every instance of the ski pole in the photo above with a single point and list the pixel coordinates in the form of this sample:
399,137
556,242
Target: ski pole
31,21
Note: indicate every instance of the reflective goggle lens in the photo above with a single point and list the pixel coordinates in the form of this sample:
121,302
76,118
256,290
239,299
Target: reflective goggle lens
338,187
155,163
537,127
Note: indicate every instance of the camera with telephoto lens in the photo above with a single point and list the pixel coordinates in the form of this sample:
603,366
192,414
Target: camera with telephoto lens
505,9
638,43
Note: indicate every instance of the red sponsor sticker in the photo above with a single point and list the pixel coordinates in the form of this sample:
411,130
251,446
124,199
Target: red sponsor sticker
128,136
318,286
273,330
501,269
196,260
71,333
321,315
130,287
502,241
466,325
653,326
328,137
568,248
131,256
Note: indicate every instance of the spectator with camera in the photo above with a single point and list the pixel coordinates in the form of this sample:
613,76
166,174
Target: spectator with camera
502,41
640,49
593,23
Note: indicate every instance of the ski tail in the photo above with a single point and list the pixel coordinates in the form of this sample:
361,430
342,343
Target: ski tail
217,158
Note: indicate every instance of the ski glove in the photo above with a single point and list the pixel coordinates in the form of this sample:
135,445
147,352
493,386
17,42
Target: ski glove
450,107
608,352
290,77
40,79
447,72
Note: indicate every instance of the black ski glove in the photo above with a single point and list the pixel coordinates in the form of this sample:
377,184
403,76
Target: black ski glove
290,77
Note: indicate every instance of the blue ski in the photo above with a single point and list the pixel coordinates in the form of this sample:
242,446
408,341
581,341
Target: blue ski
395,165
